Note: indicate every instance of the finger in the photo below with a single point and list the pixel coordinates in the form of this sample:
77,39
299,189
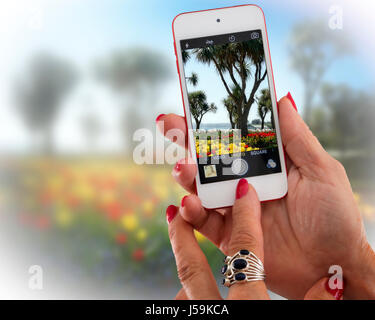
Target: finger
192,266
181,295
184,173
247,234
166,122
321,291
209,223
302,147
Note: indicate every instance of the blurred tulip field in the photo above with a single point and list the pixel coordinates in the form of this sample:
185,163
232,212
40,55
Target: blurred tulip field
108,215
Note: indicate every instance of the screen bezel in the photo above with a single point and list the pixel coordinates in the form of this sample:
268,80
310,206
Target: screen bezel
204,23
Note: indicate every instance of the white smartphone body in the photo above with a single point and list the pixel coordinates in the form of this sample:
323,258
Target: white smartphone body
229,98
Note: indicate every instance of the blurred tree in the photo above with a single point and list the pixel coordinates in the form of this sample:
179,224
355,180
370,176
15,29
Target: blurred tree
135,76
352,117
40,93
92,127
312,48
320,125
199,106
265,106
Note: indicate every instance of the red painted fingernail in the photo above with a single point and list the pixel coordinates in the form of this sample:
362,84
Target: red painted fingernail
242,188
183,201
177,166
171,212
289,96
159,116
336,292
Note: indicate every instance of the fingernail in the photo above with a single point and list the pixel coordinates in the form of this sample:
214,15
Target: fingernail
171,212
289,96
159,116
183,201
336,292
177,166
242,188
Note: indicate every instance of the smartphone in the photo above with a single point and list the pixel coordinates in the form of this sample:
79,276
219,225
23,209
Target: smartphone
229,99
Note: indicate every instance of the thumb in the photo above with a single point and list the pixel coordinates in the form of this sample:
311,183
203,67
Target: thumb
247,235
246,223
302,147
321,291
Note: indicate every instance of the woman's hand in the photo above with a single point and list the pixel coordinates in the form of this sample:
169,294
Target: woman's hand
194,272
246,233
315,226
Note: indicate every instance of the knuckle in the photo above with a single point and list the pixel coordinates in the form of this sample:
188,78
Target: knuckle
244,239
339,166
188,270
335,167
172,234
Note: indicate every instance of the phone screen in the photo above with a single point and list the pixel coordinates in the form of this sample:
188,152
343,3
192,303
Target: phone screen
230,106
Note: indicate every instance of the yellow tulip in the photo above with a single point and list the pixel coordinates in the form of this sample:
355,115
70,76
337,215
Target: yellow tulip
141,235
107,196
161,191
64,218
129,222
147,206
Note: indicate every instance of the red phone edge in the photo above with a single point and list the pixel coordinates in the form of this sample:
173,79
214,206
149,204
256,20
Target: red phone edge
182,96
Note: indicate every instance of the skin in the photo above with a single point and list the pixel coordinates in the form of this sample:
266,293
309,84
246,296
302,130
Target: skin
194,272
193,269
316,225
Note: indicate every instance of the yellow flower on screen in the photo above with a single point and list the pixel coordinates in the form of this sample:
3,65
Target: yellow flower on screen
141,234
129,222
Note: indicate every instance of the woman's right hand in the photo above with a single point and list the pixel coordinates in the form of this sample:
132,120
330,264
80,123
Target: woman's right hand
316,225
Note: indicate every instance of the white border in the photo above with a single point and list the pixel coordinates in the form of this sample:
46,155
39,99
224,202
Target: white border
233,19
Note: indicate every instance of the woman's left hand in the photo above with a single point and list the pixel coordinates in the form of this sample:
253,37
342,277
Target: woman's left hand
193,269
194,272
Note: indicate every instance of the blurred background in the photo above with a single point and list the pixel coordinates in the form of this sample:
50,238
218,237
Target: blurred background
79,77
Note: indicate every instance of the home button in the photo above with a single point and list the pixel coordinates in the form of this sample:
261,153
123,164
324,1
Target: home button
240,167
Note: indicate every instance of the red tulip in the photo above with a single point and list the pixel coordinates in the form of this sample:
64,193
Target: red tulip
42,223
121,238
138,255
113,210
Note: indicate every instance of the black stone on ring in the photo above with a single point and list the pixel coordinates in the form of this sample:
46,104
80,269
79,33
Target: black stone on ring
239,264
240,276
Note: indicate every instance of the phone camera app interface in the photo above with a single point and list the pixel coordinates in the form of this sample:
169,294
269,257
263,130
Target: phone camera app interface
230,105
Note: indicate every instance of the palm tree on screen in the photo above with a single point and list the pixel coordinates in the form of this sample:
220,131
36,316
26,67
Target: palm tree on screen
199,106
236,64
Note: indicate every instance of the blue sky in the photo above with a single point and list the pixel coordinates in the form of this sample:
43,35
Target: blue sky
86,30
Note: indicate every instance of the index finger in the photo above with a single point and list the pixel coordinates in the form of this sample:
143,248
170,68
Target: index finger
166,122
192,266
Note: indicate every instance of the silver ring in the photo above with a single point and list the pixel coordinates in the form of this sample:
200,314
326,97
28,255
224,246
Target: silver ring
243,266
